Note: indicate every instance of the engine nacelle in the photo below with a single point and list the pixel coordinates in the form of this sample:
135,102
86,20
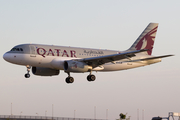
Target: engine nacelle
44,71
58,63
75,66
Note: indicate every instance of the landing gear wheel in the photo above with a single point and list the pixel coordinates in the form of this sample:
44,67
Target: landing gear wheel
69,80
27,75
91,77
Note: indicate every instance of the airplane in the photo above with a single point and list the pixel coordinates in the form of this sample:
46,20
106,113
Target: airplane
48,60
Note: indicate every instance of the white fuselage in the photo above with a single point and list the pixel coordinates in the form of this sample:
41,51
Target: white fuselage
43,55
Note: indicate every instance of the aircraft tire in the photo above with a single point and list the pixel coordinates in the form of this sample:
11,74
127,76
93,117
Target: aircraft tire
91,77
69,80
27,75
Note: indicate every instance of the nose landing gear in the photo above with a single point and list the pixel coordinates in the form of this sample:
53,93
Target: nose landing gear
27,75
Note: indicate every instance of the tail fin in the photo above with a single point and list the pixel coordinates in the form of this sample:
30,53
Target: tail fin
146,39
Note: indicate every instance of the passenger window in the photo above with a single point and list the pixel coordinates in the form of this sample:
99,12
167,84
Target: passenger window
17,49
21,49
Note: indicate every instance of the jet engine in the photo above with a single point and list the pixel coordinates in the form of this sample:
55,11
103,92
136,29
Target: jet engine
44,71
58,63
75,66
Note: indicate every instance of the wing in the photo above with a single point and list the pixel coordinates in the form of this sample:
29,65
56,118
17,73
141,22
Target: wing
150,58
96,61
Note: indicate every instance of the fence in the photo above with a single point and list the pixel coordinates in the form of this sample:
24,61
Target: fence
21,117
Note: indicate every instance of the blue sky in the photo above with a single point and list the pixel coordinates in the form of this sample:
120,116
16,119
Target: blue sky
105,24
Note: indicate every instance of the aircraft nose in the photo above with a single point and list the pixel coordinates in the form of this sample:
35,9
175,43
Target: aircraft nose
6,56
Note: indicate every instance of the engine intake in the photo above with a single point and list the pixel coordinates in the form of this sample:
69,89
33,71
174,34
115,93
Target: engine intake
75,66
44,71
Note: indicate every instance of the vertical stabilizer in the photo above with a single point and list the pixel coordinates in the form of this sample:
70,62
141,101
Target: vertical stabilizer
146,39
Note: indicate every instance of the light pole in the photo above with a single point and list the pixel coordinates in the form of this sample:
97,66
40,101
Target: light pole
52,110
37,114
143,114
95,112
137,114
74,114
20,114
45,112
11,108
106,114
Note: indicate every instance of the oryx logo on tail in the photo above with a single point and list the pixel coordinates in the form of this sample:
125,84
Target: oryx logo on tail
147,41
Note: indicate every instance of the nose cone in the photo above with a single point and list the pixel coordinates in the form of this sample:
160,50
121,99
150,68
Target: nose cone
6,57
12,58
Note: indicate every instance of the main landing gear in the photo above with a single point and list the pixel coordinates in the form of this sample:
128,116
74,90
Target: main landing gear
70,79
91,77
27,75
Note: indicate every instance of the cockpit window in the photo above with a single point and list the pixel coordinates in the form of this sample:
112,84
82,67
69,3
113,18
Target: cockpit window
13,49
17,49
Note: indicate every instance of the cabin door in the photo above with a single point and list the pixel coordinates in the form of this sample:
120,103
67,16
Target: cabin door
32,51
